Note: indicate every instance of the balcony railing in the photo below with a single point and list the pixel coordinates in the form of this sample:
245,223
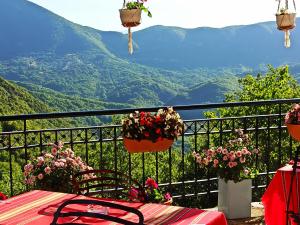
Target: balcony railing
176,171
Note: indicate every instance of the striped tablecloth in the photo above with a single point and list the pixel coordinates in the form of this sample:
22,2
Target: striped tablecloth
37,207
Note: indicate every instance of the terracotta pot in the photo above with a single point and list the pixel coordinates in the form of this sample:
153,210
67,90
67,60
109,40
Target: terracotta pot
286,21
294,131
168,202
130,17
134,146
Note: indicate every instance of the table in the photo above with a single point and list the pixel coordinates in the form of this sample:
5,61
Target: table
276,195
37,208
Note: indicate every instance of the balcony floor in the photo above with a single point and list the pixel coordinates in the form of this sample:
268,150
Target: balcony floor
257,216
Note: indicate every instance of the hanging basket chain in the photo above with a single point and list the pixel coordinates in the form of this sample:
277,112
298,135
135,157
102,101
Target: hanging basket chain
124,4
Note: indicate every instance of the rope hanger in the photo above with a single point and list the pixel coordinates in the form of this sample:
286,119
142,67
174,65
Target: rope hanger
286,21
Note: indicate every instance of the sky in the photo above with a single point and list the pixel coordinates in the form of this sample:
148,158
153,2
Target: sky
104,14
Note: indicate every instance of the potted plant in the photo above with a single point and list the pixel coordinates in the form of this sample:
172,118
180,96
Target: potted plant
286,20
146,132
234,163
53,171
130,16
292,121
151,193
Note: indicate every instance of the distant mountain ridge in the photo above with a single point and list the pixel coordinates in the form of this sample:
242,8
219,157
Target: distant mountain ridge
168,64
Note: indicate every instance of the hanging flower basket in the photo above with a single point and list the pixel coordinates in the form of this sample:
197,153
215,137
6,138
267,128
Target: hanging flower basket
291,120
130,17
144,145
294,131
286,21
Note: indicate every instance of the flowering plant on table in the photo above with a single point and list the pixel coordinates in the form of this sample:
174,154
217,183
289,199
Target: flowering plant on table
54,171
151,193
166,123
235,161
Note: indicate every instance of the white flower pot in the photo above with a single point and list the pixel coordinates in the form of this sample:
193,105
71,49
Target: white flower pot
234,199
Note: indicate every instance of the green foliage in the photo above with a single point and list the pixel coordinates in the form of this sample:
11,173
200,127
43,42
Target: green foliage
138,5
276,83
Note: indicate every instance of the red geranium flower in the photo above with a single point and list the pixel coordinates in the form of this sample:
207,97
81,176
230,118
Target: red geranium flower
151,183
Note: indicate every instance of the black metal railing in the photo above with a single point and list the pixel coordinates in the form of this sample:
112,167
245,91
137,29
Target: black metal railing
176,171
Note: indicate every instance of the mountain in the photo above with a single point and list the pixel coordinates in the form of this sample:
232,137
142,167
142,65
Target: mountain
42,48
65,103
16,100
178,48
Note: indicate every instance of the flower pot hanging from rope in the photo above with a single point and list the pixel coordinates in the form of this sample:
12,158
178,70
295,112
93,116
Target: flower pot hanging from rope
286,20
130,16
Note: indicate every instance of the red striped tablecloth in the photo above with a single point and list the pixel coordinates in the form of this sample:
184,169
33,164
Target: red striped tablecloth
37,207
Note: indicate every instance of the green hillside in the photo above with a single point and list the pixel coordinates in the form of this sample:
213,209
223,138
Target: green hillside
65,103
16,100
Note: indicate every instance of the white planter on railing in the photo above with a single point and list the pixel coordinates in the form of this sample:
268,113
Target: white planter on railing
234,199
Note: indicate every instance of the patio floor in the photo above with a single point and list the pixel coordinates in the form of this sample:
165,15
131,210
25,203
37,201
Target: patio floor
257,216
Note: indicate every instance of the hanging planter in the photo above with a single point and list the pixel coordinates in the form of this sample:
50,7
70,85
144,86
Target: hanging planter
294,131
130,16
286,20
135,146
146,132
292,121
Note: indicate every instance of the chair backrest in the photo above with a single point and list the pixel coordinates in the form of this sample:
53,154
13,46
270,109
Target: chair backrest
105,183
108,217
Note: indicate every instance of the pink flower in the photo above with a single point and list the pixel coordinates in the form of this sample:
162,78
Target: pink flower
225,158
246,171
28,167
244,151
239,154
231,153
242,160
210,152
224,151
133,194
151,183
168,196
205,161
54,151
219,150
40,176
216,161
40,160
231,164
209,158
198,160
232,158
47,170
